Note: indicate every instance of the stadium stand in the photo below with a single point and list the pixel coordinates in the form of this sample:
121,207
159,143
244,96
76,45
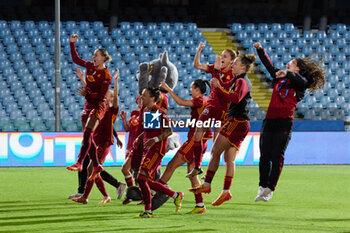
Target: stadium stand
284,42
27,63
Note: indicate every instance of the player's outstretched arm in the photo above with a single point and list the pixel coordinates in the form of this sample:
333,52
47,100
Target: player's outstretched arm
178,99
265,59
196,63
75,57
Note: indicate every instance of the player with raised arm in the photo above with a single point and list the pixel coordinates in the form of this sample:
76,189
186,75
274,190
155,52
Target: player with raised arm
216,107
289,88
234,130
103,137
185,153
98,80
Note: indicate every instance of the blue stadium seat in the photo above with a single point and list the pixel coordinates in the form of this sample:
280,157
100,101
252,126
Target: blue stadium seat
124,26
102,33
197,35
308,35
178,27
15,24
129,57
236,27
11,107
165,27
3,24
188,42
39,99
151,26
116,33
4,63
249,27
281,35
5,33
191,27
183,35
275,27
70,25
321,35
175,42
328,42
341,43
289,27
138,26
19,32
262,27
134,41
84,25
16,86
8,71
321,49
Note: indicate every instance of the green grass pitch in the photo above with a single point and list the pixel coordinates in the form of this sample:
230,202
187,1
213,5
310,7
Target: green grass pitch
307,199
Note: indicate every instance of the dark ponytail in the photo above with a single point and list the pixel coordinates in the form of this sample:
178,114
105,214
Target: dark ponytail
201,84
153,92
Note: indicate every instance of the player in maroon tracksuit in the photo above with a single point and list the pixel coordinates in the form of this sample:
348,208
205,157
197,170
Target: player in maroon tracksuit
185,152
234,130
98,80
289,88
216,107
155,143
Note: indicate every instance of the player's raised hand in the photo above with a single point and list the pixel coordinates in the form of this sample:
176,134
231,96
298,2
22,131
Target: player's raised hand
217,64
123,114
201,46
257,45
116,75
281,74
215,82
81,91
80,73
74,38
164,86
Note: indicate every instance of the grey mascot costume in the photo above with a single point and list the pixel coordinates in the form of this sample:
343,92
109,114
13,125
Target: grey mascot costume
151,74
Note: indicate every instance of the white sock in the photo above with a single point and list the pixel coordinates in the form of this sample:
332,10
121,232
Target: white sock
225,191
148,211
175,195
201,205
206,184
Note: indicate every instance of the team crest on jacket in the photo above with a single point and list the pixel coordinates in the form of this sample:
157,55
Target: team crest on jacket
205,111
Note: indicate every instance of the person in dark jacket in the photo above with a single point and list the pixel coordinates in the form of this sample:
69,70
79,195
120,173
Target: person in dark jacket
289,88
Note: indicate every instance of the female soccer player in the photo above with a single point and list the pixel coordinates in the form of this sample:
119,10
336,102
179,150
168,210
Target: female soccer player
234,130
133,157
82,175
155,142
289,88
103,137
98,80
216,107
185,153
